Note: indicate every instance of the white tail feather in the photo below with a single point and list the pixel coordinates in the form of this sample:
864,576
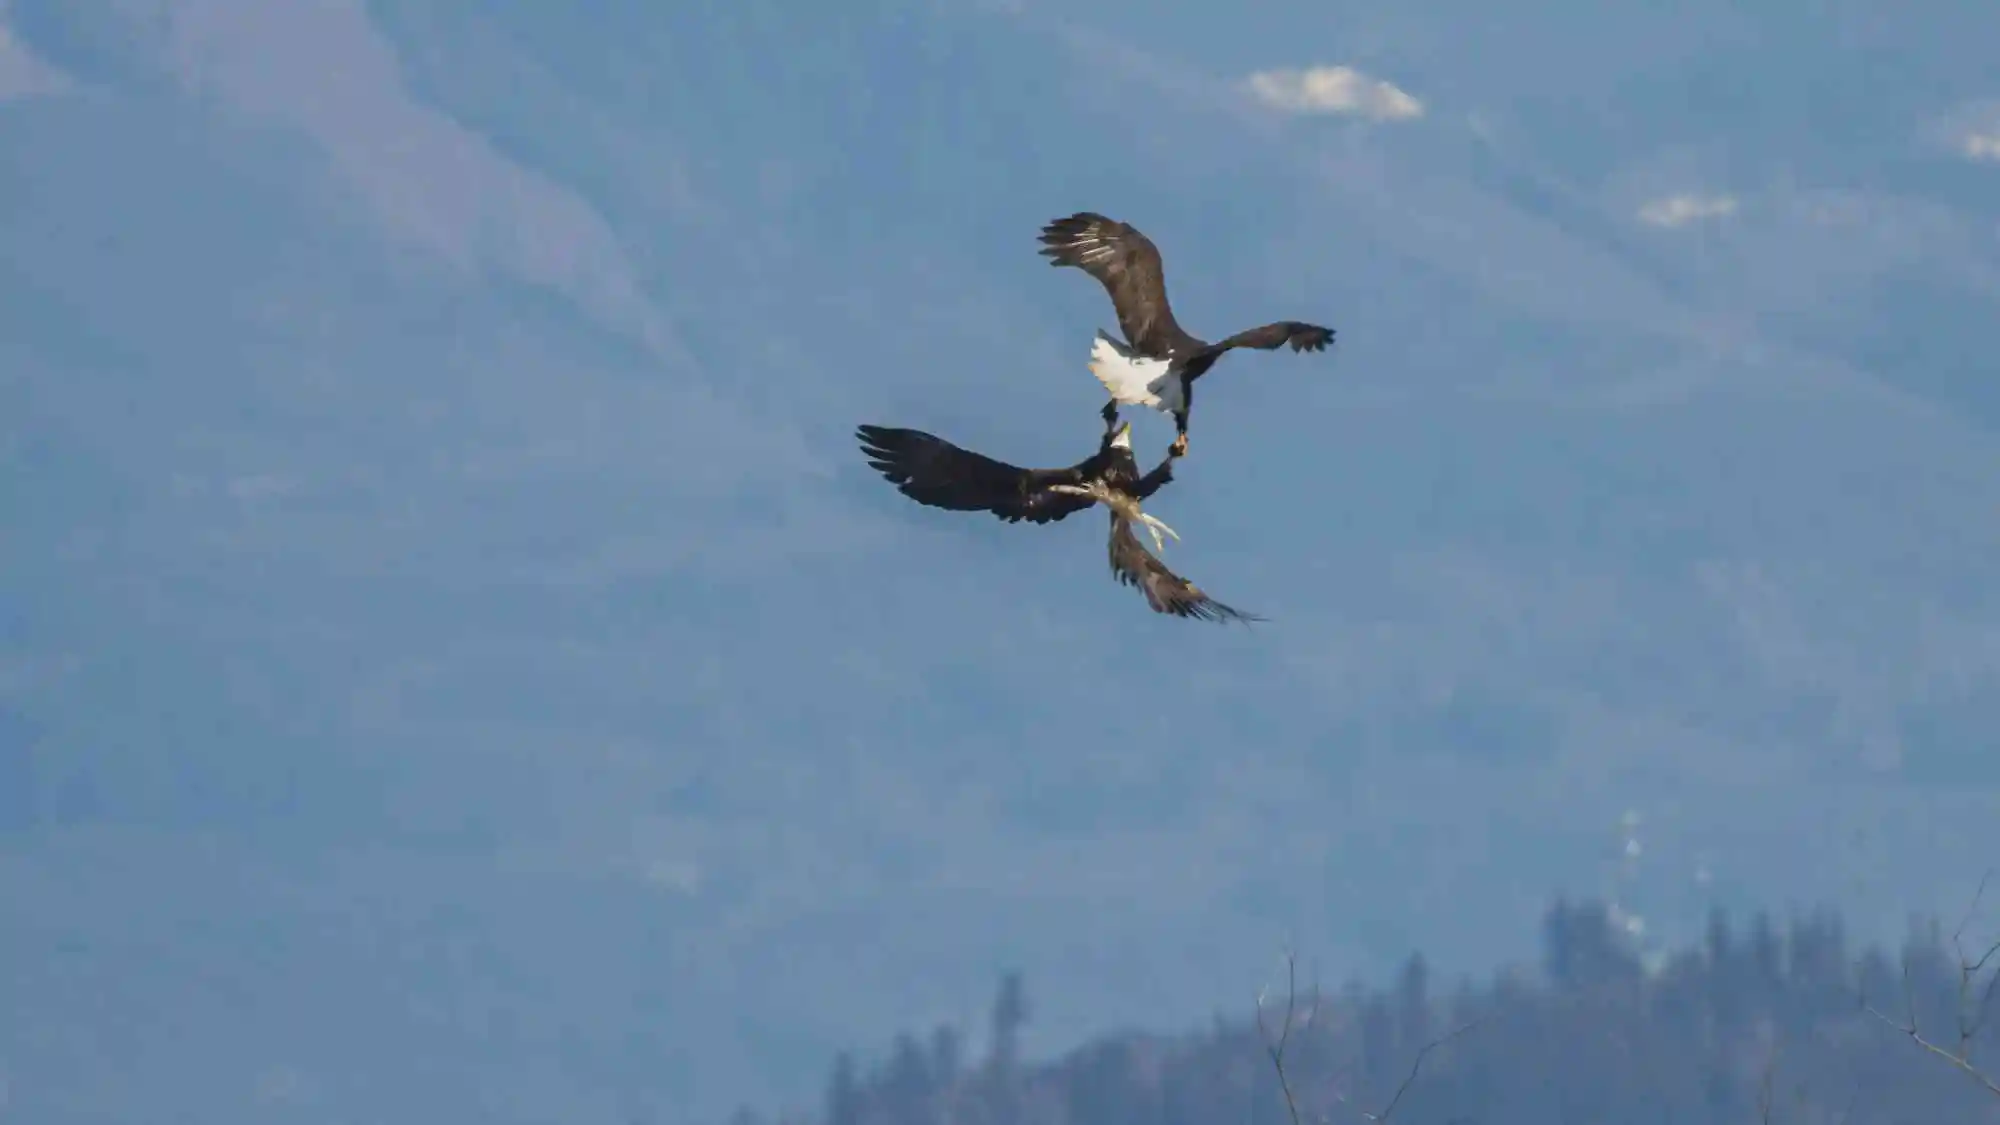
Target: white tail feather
1132,379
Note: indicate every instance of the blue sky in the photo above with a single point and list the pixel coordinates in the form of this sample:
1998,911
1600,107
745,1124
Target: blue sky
453,660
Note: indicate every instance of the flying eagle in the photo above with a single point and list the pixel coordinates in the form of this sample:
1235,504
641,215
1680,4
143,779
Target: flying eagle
1160,361
936,473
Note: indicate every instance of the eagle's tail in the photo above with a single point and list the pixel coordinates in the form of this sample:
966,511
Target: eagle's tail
1131,378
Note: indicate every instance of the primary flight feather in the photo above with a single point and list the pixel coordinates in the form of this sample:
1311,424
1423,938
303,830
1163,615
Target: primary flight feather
936,473
1159,361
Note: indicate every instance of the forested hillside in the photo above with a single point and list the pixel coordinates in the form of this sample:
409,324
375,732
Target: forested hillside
1759,1023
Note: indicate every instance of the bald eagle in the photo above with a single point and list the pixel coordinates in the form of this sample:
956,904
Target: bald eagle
1159,361
938,474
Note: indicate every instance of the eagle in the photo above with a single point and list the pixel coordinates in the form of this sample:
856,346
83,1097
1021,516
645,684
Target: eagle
1159,361
938,474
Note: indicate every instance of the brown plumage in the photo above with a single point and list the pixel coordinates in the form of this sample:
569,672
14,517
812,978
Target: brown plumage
934,472
938,474
1127,264
1133,565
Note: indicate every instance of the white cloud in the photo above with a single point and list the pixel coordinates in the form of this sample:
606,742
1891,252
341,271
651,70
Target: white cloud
1971,131
22,74
1680,210
320,66
1333,89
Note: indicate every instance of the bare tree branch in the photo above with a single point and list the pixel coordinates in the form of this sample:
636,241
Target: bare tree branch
1847,1110
1764,1087
1959,1061
1275,1047
1417,1065
1974,1001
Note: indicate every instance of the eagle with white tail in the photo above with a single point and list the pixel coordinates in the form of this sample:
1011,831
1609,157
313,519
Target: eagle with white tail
1159,361
938,474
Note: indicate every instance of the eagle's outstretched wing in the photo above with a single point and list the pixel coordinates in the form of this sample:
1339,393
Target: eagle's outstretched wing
934,472
1301,336
1128,265
1165,591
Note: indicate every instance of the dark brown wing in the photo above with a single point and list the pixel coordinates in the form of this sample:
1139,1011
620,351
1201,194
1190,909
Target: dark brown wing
1127,264
1165,591
1301,336
934,472
1160,477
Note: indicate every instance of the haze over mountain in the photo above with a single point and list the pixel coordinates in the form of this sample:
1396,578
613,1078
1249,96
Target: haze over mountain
454,661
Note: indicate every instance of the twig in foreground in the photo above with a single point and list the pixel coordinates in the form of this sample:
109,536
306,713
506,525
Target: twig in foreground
1276,1049
1971,1013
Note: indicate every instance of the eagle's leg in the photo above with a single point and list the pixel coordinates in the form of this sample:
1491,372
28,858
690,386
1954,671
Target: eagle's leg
1180,434
1110,413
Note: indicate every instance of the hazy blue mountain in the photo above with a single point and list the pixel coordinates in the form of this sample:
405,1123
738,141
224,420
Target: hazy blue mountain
454,661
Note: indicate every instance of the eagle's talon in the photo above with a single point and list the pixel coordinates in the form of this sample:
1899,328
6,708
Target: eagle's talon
1180,446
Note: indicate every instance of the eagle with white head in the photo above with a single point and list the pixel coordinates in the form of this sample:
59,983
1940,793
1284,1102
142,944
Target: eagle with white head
938,474
1159,361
